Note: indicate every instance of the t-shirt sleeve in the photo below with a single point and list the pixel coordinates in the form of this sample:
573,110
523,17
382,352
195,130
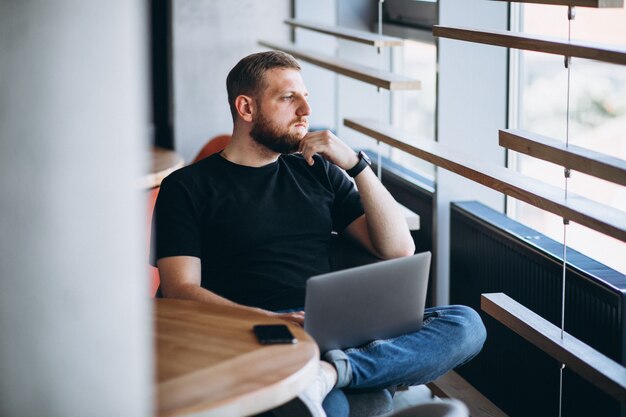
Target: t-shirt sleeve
347,206
174,224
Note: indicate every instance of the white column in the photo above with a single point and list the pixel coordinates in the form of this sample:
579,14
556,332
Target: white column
472,105
75,336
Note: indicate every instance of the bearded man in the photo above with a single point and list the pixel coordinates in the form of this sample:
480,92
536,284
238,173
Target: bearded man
248,226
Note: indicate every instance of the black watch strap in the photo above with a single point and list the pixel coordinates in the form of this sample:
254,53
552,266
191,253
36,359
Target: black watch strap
363,163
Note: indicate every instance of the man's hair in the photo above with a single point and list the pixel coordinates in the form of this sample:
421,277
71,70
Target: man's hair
247,77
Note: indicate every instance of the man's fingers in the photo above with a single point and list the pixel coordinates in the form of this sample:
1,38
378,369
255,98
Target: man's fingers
309,158
296,317
307,152
327,145
317,143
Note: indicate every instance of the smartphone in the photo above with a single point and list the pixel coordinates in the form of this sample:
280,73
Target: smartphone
269,334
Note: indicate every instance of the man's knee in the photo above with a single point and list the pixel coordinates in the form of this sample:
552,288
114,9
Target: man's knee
472,332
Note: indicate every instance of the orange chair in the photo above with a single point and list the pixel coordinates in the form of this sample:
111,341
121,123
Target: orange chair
153,272
213,146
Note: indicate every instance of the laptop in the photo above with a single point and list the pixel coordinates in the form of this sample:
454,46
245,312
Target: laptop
352,307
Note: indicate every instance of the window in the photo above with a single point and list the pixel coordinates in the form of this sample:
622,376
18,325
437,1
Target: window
414,111
597,119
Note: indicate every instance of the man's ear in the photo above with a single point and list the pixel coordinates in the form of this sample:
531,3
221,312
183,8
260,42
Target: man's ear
245,107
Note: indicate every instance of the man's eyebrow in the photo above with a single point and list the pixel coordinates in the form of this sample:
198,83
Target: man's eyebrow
306,93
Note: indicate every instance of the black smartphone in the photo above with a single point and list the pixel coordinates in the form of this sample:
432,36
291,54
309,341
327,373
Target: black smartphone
269,334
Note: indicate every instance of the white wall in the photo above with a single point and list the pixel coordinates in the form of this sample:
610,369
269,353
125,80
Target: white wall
357,99
472,104
321,83
209,38
75,321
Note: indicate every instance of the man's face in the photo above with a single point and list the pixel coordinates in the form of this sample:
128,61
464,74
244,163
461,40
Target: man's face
281,118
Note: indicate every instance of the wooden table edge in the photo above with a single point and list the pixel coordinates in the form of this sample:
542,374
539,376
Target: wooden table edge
258,401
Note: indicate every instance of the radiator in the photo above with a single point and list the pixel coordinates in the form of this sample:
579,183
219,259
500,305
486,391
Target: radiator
492,253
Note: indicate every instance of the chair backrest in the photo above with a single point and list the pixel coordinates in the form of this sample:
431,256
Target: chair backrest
153,272
213,146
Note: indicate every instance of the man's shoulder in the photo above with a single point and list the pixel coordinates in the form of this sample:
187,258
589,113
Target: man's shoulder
195,173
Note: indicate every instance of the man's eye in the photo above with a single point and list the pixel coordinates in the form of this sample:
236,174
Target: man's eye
287,97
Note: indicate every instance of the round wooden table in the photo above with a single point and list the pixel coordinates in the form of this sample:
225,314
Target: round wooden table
208,360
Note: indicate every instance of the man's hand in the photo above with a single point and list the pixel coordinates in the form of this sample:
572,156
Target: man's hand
382,230
296,317
330,147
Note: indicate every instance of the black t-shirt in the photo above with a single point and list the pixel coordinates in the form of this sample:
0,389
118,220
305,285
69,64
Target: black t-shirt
260,232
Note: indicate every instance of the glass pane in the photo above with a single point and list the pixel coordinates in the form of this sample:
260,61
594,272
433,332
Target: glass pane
597,119
414,111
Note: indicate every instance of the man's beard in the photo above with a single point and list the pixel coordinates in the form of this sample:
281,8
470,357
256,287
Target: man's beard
270,136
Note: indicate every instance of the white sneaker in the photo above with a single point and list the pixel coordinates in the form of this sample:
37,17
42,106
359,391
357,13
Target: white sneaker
309,402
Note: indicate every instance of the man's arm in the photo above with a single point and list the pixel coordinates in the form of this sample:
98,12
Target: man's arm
181,278
382,229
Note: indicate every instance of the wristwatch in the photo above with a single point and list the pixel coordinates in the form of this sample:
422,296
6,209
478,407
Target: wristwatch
364,162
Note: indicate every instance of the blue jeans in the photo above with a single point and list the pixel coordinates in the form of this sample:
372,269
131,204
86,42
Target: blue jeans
450,337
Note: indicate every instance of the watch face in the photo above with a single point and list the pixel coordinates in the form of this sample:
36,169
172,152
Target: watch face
366,158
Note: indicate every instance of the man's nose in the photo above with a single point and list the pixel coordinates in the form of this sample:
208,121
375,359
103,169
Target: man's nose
303,109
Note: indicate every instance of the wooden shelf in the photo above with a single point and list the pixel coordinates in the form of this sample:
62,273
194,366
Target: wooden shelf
360,36
574,157
536,43
596,368
578,3
162,163
368,75
596,216
453,385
